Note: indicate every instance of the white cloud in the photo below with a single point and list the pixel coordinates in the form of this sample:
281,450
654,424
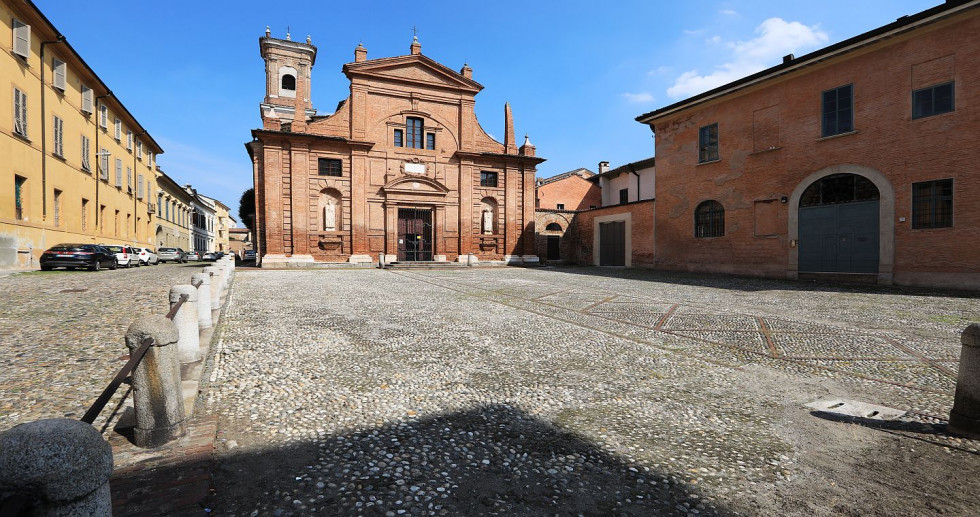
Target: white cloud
693,32
661,70
714,40
775,38
641,97
729,12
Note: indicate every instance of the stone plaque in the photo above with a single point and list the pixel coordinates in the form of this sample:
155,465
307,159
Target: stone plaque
415,168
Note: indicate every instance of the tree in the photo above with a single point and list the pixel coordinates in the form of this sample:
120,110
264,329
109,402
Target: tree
246,209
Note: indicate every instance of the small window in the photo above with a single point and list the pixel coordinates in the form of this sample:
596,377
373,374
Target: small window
932,204
708,143
414,132
84,214
59,68
329,167
932,100
430,141
709,220
624,196
86,152
488,179
399,138
553,227
20,113
288,82
560,206
59,137
22,39
838,113
57,207
19,195
87,99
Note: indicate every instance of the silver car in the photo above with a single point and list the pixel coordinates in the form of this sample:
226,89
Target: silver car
171,255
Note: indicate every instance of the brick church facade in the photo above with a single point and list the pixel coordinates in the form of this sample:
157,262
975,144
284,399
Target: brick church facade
401,170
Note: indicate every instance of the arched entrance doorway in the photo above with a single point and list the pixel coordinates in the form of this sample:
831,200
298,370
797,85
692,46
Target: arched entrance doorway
554,242
839,225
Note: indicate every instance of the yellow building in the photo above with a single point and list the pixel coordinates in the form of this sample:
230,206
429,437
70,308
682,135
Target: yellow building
173,218
222,223
75,164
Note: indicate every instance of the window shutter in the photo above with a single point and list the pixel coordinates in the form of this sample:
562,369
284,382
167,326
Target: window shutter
85,153
129,140
118,172
86,99
118,129
129,178
19,108
103,115
59,74
22,39
139,187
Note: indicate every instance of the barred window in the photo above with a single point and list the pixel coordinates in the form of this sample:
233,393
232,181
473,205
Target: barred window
838,113
329,167
932,204
933,100
488,179
709,219
708,143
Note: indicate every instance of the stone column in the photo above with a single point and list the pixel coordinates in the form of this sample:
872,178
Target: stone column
215,287
203,300
61,466
157,395
186,320
964,419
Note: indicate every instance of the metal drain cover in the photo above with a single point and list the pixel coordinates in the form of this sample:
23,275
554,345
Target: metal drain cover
856,409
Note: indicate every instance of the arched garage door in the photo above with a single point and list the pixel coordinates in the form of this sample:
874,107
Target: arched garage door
838,225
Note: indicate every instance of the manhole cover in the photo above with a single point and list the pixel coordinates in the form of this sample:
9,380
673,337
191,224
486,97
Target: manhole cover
856,409
75,290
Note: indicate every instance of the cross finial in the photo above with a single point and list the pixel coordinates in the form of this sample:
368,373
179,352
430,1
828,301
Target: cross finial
287,33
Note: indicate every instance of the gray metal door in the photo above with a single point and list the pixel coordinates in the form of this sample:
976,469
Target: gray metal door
841,238
612,243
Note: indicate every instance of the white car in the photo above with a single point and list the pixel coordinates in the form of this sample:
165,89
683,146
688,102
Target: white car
125,255
147,256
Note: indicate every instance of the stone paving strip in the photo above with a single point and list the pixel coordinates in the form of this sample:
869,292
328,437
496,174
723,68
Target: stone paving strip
582,392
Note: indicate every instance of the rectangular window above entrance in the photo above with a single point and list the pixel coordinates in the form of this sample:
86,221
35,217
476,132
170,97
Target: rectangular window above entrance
329,167
488,179
838,110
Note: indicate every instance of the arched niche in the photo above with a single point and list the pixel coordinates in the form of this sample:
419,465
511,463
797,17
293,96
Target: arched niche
489,213
328,210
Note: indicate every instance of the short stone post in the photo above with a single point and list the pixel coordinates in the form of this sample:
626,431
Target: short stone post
60,466
186,319
157,395
964,419
381,260
203,300
215,287
225,275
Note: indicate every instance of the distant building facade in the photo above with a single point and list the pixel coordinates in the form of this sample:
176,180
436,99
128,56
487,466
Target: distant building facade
203,210
857,160
402,168
635,181
75,164
239,240
173,220
570,190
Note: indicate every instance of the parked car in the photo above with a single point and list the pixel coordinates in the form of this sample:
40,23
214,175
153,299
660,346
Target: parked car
248,256
210,257
147,256
126,256
192,255
70,256
171,255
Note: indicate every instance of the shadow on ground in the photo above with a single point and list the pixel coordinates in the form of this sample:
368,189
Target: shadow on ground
492,460
755,284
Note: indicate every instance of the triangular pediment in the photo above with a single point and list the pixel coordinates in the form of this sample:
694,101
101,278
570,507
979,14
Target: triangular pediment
416,69
412,184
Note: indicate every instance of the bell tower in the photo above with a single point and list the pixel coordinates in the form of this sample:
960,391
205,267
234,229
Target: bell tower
288,64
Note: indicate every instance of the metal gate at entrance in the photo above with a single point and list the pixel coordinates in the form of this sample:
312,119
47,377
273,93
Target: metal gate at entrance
612,243
838,225
414,234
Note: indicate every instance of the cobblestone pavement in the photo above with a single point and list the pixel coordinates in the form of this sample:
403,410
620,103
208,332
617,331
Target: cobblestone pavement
62,336
582,391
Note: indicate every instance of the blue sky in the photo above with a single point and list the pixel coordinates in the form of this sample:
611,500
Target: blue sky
575,72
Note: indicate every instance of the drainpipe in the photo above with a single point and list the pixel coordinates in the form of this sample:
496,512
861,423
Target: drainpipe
98,158
136,229
44,135
632,170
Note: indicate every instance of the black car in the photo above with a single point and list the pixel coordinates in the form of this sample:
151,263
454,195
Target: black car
71,256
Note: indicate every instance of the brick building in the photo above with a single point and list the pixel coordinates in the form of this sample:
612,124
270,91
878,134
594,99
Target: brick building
401,168
570,190
858,160
634,181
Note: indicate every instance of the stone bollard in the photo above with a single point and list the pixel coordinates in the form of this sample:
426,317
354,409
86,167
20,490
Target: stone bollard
157,395
203,300
215,287
224,273
61,467
964,419
186,319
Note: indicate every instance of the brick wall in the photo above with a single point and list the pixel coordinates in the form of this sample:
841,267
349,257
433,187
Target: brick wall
641,229
574,192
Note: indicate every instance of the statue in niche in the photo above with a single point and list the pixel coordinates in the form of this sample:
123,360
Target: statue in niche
329,217
487,221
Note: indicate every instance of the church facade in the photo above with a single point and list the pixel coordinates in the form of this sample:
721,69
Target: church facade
401,171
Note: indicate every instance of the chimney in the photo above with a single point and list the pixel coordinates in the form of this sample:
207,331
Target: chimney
360,53
788,57
416,47
466,71
509,143
603,167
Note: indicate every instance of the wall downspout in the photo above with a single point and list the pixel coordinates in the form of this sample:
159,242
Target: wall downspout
632,170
